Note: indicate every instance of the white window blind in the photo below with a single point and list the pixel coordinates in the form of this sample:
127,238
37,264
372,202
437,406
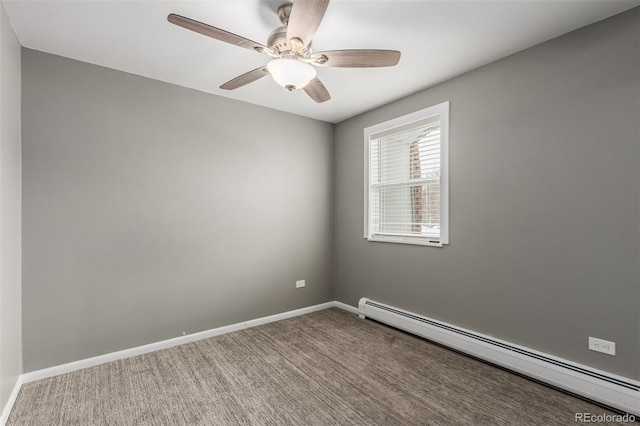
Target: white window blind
405,183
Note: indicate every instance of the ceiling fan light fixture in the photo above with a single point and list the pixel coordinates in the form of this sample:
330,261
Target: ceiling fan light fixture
291,74
289,46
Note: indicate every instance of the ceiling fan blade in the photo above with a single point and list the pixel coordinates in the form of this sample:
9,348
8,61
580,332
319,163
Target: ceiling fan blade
316,90
356,58
305,18
216,33
246,78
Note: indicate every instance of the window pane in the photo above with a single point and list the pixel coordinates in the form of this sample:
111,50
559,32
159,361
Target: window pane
412,210
405,176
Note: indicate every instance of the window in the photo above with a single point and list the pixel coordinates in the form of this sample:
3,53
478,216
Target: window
406,185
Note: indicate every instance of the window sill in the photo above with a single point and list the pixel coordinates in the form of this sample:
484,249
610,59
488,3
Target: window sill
418,241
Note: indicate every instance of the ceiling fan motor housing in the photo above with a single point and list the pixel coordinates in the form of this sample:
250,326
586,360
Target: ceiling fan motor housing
277,42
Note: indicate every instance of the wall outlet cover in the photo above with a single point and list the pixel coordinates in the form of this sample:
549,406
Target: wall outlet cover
600,345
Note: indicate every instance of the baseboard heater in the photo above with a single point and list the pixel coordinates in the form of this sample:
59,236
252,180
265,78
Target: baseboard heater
615,391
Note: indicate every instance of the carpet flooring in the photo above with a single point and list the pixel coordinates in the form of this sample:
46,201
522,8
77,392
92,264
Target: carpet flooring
324,368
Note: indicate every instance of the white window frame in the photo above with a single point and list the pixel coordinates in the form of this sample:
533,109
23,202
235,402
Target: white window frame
442,111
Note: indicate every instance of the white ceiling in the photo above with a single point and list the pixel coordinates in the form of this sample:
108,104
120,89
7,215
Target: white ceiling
438,40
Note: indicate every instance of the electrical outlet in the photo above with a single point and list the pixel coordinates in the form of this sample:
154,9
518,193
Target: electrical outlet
300,284
604,346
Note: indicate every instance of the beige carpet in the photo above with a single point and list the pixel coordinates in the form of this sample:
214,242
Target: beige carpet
324,368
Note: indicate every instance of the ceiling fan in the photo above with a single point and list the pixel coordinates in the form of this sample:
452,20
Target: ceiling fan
292,63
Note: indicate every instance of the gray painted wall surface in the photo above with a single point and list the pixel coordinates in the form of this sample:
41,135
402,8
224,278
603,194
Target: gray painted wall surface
544,201
151,209
10,190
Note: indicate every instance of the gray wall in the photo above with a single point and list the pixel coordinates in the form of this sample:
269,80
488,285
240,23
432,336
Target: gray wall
151,209
10,190
544,208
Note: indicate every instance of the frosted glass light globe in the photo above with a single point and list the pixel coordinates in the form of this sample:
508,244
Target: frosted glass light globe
291,74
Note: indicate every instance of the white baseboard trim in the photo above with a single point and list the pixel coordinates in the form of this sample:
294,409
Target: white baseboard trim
601,386
152,347
346,307
12,399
